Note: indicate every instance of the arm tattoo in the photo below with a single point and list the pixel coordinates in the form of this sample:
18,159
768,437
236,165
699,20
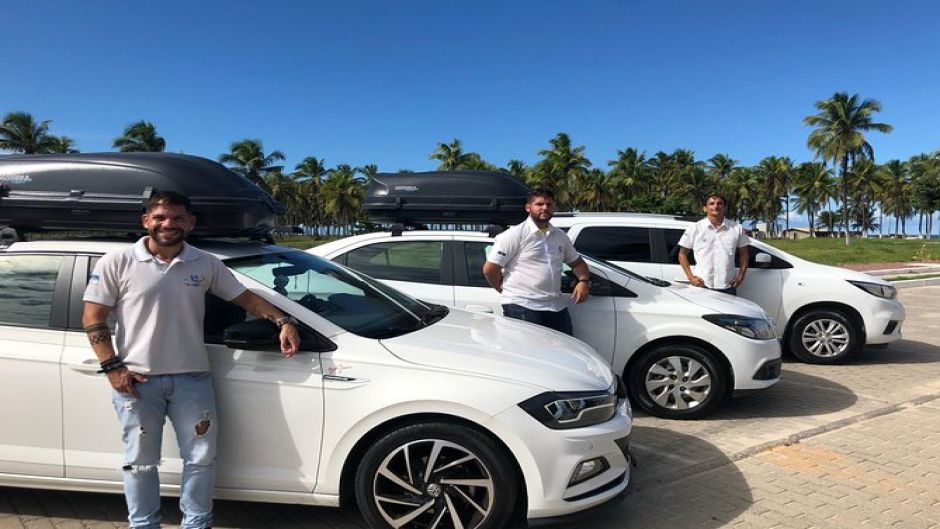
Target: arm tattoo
98,333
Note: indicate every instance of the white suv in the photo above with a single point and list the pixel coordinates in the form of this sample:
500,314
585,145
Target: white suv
428,416
823,313
680,350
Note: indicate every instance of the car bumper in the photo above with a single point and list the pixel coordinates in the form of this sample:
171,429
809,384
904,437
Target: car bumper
883,321
548,459
756,363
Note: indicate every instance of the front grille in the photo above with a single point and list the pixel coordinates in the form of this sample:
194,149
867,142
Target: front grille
769,370
892,325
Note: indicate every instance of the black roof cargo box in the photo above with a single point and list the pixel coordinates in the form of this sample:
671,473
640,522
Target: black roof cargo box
106,191
460,197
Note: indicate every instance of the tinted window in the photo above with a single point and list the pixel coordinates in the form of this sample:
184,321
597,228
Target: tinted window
672,247
475,254
28,283
220,315
616,243
417,261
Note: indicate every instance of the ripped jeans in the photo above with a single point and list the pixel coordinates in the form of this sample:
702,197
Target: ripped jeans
188,400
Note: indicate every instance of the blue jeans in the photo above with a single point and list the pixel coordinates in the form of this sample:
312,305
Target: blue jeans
559,321
188,399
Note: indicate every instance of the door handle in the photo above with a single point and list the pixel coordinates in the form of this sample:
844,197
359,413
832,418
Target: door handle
479,308
89,365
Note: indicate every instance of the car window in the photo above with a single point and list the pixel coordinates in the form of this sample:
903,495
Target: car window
475,253
416,261
28,287
616,243
600,286
220,315
672,247
350,300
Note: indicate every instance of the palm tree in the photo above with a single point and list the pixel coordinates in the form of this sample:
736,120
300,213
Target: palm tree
865,182
309,174
561,168
140,136
248,158
897,193
368,171
839,136
450,155
628,172
829,220
594,193
61,145
19,132
342,194
516,168
813,186
741,190
925,183
776,173
720,166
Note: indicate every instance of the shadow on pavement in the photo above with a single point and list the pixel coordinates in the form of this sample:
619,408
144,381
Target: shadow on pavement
906,352
681,481
796,395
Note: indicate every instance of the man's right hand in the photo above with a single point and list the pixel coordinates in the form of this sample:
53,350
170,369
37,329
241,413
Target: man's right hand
697,281
123,380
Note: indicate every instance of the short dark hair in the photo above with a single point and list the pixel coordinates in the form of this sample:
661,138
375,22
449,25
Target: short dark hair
540,192
168,198
714,195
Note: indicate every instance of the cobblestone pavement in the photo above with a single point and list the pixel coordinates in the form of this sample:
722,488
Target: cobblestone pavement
855,445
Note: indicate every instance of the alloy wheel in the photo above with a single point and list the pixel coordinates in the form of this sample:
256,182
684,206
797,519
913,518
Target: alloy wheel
433,484
825,338
678,382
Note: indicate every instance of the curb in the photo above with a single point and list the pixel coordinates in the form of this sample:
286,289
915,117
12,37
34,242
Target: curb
912,283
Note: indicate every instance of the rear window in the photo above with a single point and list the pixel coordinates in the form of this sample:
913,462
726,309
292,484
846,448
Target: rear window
616,243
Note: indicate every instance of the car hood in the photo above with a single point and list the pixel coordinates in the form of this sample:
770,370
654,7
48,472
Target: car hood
717,302
503,348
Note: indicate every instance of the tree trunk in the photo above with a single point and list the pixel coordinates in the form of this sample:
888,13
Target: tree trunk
845,200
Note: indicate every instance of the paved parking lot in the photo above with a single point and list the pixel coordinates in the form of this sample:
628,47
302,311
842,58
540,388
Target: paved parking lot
855,445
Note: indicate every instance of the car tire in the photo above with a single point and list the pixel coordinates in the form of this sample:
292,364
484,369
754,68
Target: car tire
677,381
823,336
470,478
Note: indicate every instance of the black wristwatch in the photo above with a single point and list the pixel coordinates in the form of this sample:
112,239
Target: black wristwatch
286,320
584,280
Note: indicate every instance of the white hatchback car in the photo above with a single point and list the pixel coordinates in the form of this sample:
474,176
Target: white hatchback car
428,416
680,350
823,313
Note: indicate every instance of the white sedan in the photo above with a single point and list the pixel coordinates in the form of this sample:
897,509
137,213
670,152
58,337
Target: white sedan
682,351
427,416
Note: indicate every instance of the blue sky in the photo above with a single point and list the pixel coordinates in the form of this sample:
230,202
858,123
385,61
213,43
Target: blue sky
382,82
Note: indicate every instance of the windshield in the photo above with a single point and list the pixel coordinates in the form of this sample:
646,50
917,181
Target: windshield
350,300
622,270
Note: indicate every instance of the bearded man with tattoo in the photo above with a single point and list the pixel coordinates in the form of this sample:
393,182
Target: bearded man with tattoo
158,365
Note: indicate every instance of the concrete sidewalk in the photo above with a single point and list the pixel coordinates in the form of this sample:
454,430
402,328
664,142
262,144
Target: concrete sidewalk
889,271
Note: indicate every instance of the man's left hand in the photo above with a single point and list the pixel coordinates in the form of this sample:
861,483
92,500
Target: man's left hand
581,292
737,281
290,340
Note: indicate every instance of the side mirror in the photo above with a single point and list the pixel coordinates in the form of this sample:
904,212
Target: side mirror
763,260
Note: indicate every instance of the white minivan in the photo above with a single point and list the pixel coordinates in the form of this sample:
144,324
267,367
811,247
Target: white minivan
823,313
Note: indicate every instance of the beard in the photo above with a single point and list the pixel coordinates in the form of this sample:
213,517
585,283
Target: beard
167,237
545,216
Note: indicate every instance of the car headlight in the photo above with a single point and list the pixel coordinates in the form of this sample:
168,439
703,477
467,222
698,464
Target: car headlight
563,410
755,328
877,289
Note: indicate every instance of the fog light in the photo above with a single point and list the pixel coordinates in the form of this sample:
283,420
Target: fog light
587,470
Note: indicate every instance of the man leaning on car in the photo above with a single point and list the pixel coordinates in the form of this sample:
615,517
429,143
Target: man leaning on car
160,366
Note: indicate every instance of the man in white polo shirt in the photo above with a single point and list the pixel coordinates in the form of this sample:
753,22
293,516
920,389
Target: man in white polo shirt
716,242
524,265
160,368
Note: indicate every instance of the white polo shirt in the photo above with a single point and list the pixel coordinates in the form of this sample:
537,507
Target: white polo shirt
531,260
715,250
160,306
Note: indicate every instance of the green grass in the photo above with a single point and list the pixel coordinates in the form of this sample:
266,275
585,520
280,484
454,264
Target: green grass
832,251
302,242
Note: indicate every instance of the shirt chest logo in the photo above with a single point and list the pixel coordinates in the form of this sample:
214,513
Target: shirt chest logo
194,280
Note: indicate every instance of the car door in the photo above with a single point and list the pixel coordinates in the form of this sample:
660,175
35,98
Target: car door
33,309
594,321
631,247
270,410
422,268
